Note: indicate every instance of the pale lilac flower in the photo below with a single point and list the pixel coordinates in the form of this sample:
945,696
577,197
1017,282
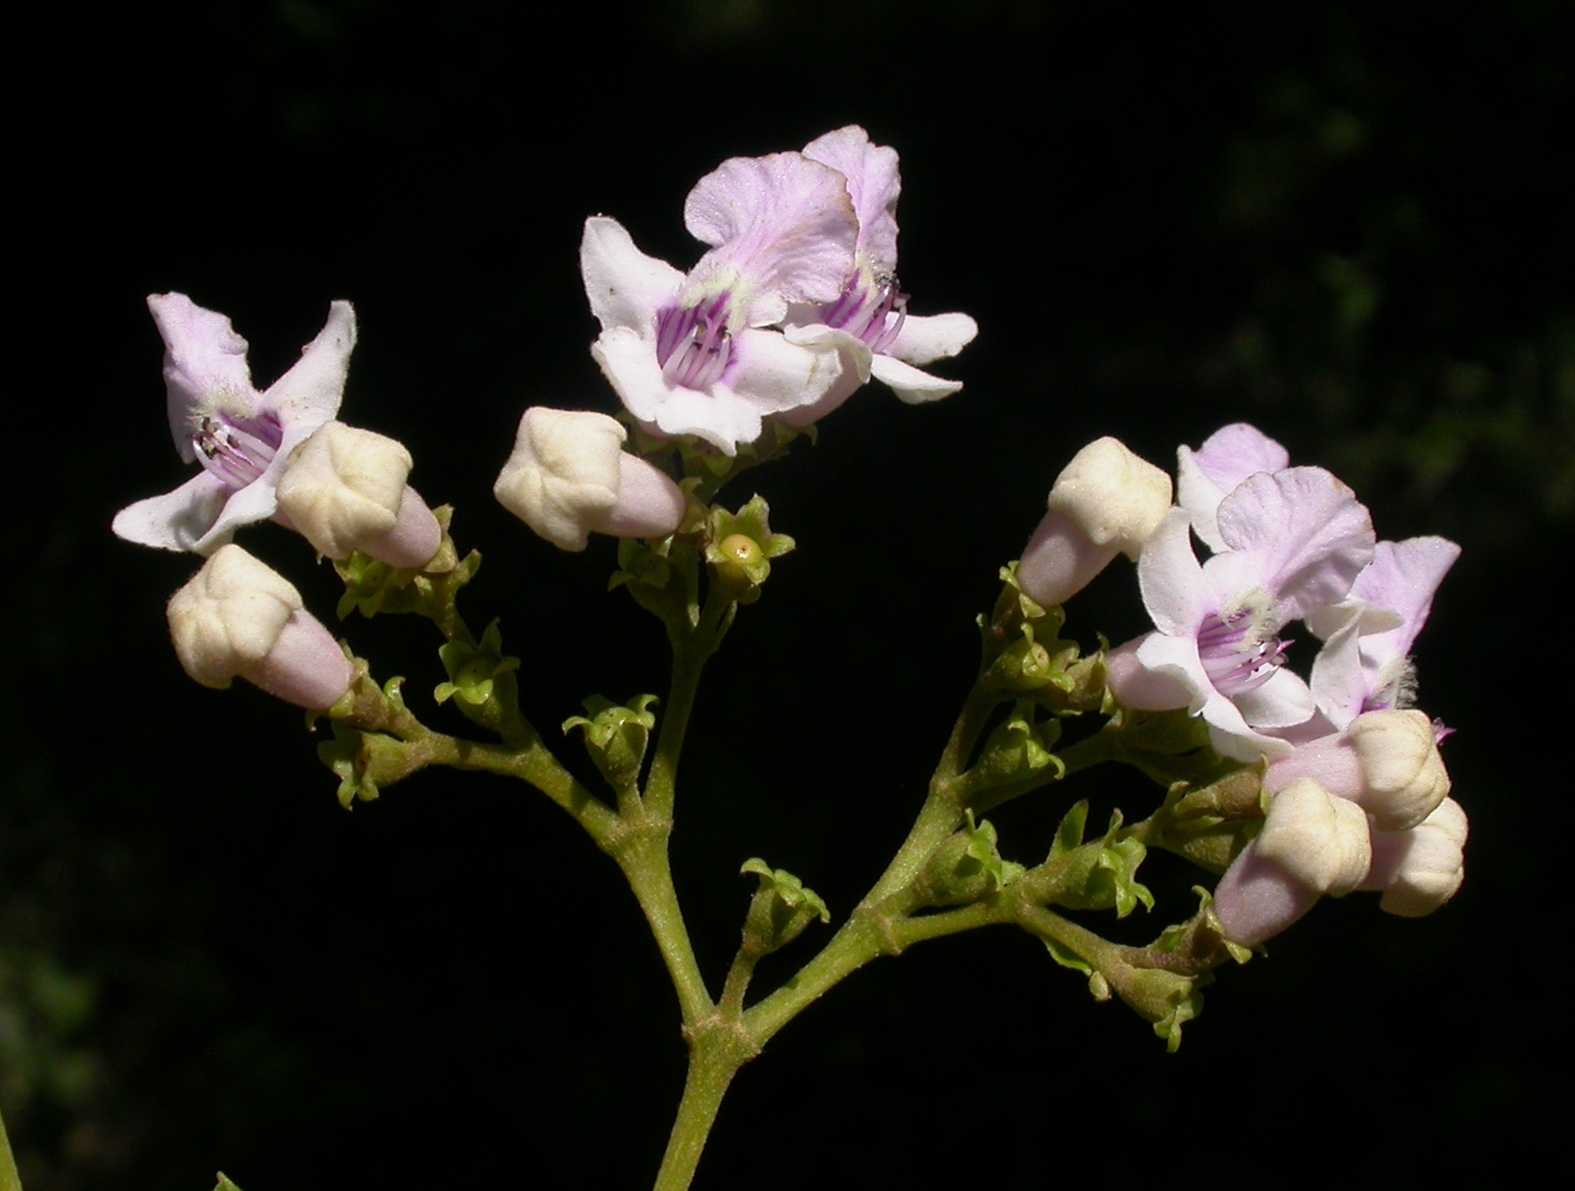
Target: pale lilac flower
1365,664
868,320
691,354
568,476
242,438
1292,541
239,618
1106,501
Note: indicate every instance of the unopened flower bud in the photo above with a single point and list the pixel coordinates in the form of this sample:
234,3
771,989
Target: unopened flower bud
1311,844
1387,762
1420,869
1320,840
569,475
345,491
1106,501
239,618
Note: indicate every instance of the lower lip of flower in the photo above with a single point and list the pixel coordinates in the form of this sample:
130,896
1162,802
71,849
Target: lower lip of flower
236,450
874,313
1235,661
693,347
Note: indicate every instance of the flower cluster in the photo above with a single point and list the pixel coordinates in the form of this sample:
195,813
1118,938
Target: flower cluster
795,305
1357,792
276,455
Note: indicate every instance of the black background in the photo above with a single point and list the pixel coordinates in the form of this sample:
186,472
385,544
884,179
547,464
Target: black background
1347,223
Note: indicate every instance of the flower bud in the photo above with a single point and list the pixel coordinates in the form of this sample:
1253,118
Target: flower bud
569,475
1387,762
240,618
1405,776
345,490
1106,501
1320,840
1311,844
1420,869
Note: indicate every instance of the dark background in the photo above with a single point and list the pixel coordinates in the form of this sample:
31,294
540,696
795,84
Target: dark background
1347,223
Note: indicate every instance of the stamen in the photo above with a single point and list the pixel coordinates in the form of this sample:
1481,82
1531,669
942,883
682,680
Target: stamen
1233,659
237,450
872,312
693,346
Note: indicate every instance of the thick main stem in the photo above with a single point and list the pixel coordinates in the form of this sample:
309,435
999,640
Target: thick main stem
715,1055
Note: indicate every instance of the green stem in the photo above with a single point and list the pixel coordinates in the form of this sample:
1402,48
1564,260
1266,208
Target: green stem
693,646
715,1055
9,1179
689,658
860,940
640,848
1102,746
739,975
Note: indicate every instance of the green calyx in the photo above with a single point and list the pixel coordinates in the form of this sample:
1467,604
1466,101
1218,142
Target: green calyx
372,587
966,867
1099,875
780,910
359,760
1017,753
740,547
616,736
1024,654
474,670
1210,824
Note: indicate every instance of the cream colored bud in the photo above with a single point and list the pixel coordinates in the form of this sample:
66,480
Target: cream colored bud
1420,869
229,615
1321,840
343,487
239,618
569,476
1113,496
1404,774
564,469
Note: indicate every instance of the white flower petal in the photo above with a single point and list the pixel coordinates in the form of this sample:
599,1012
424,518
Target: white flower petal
1308,535
926,338
774,374
625,287
309,394
910,384
1403,577
721,417
1174,590
1283,701
1206,476
177,520
856,361
629,364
